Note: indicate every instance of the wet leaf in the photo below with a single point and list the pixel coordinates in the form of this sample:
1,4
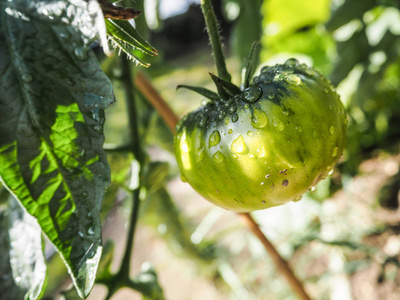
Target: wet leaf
51,156
26,252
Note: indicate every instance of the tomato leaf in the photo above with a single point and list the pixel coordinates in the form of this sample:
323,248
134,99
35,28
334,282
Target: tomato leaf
51,157
125,37
28,267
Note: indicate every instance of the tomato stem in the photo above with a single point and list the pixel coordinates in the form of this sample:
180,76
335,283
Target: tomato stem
215,39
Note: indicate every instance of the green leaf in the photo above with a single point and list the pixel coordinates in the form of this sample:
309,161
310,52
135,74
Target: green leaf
202,91
51,156
225,88
8,288
125,37
250,65
147,283
28,267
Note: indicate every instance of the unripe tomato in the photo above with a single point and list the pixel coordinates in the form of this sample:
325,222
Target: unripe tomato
266,145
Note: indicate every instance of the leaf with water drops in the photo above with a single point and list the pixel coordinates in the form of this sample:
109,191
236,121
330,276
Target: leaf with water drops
27,260
51,156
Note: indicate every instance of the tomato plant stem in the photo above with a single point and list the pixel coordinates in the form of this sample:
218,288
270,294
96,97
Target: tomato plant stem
215,39
171,119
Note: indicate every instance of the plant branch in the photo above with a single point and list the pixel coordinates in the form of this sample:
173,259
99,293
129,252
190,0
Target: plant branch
280,263
151,94
171,119
215,39
127,82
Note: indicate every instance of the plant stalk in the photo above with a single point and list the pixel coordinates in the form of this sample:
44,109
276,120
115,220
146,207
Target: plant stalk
171,119
127,82
215,39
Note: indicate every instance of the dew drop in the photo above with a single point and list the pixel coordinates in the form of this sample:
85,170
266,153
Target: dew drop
285,182
330,172
232,109
91,230
226,121
285,112
221,115
260,151
98,128
267,176
234,155
214,139
332,130
81,53
246,106
239,146
249,133
271,96
252,94
292,78
218,157
312,189
202,122
259,119
200,154
26,77
297,198
335,152
235,117
298,129
279,126
230,131
292,62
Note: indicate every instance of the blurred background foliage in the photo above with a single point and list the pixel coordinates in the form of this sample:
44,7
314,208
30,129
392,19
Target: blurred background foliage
343,247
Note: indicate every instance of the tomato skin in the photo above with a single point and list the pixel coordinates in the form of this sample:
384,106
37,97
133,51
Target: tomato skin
267,145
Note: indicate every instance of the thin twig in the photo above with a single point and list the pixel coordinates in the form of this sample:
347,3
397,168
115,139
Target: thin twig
280,263
142,83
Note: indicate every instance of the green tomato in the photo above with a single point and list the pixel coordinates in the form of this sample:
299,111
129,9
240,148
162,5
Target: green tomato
266,145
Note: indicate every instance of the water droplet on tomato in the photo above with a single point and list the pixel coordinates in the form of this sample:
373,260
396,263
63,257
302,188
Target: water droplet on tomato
297,198
221,115
200,154
312,189
271,96
332,130
259,119
226,121
235,117
279,126
239,145
293,79
218,157
330,172
202,122
292,62
230,131
249,133
252,94
285,112
246,106
298,129
234,155
335,152
260,151
214,139
232,109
